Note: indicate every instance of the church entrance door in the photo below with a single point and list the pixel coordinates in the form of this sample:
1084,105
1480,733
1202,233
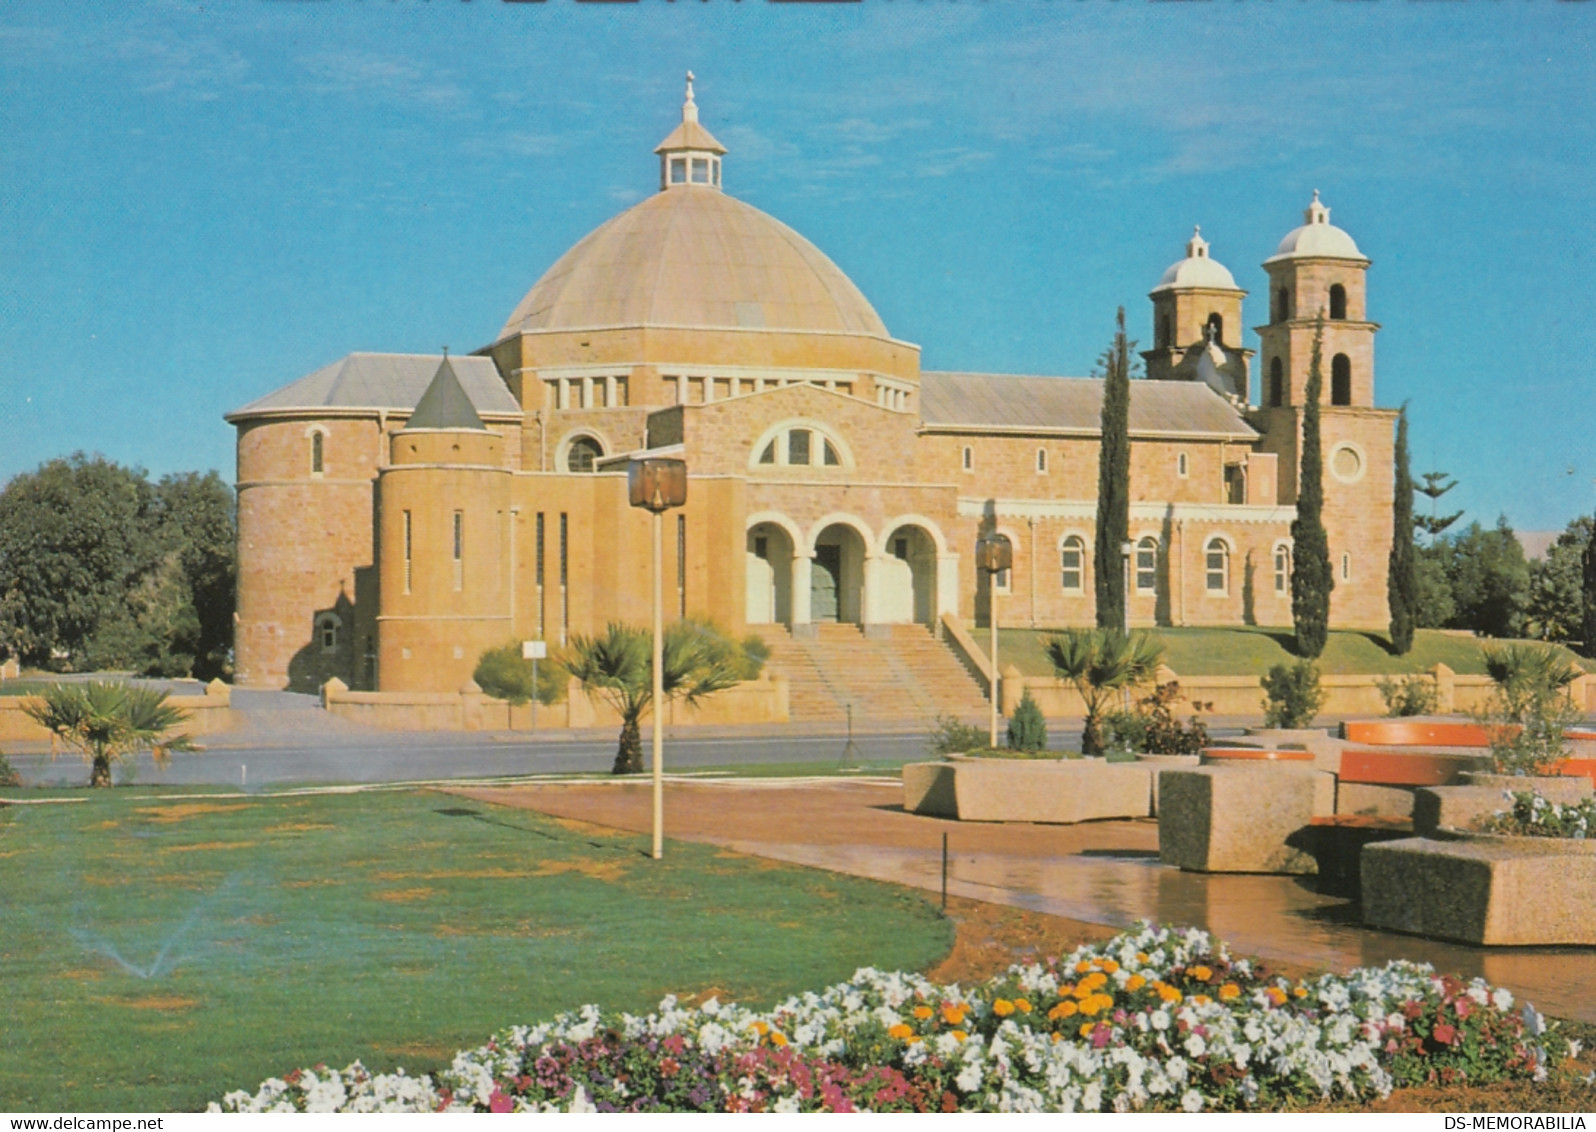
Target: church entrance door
823,582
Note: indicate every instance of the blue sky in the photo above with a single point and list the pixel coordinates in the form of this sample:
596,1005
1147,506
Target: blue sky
201,203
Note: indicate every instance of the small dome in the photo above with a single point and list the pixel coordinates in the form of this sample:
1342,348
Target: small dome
1198,269
1316,238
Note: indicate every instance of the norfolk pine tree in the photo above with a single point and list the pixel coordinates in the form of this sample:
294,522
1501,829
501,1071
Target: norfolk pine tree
1402,581
1311,580
1588,597
1113,482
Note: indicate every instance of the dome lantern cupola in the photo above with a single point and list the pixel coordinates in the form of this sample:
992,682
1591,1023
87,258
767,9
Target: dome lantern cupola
690,155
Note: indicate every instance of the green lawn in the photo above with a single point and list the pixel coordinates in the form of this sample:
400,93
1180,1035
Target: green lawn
1253,651
156,955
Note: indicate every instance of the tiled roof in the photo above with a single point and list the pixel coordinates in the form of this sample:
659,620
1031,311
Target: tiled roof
1074,404
386,381
444,404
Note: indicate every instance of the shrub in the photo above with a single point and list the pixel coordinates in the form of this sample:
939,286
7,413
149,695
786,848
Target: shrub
1101,662
1027,728
952,736
1292,696
1534,816
502,674
1529,708
1412,695
1152,728
8,775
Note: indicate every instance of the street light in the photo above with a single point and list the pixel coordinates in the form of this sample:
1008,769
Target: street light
656,484
994,554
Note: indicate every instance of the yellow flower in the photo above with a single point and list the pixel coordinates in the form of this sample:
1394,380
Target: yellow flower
1276,996
901,1030
1201,999
1135,983
1229,991
759,1028
1082,967
1109,966
1062,1010
1002,1008
912,1038
960,1035
1141,957
922,1012
1168,993
777,1038
1057,1037
1023,1005
1087,1028
1090,1005
1301,992
1202,974
953,1013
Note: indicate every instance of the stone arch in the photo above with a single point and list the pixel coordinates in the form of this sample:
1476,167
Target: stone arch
1074,543
839,546
771,543
1341,380
562,451
906,583
776,434
1338,301
1219,553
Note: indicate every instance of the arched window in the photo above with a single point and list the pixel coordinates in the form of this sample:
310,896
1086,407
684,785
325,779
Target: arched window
1283,569
1282,305
1338,301
1147,565
582,454
969,458
1041,461
1277,383
1072,564
318,442
800,447
1163,331
1217,321
1216,566
1341,380
327,626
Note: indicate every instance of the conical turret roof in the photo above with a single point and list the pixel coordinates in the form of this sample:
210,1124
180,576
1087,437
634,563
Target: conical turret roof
445,404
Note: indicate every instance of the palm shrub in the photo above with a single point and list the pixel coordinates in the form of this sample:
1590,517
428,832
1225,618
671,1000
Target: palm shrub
1292,696
698,660
1529,708
107,722
1099,663
1027,728
504,675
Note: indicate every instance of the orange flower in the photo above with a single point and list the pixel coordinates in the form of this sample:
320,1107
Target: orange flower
1062,1010
1276,996
1168,993
1082,967
759,1028
1202,974
1109,966
1087,1028
1141,957
1090,1005
1301,992
1057,1037
953,1013
1135,983
900,1031
960,1035
1229,991
922,1012
1201,999
1023,1005
777,1038
912,1038
1002,1008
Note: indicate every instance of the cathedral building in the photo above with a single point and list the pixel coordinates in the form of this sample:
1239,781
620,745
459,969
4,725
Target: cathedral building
398,515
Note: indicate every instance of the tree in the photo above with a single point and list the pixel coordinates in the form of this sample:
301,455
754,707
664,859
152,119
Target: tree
1489,579
1100,662
1113,481
1436,484
1027,726
99,568
1433,605
1402,580
503,674
1555,610
1311,579
1588,596
698,660
108,721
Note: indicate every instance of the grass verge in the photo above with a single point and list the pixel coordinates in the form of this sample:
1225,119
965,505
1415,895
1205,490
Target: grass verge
158,953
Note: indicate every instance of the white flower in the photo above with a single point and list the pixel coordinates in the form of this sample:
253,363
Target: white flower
1191,1100
969,1078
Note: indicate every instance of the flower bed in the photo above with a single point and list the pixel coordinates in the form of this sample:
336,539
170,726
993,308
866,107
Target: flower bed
1532,815
1155,1019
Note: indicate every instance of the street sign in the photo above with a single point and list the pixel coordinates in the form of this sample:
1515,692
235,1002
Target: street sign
534,650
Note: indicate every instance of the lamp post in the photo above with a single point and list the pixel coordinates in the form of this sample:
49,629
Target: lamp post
656,484
993,554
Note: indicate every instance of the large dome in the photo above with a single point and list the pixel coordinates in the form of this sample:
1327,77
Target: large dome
1197,271
1317,238
692,256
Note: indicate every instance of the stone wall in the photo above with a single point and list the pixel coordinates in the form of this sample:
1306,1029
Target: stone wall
209,713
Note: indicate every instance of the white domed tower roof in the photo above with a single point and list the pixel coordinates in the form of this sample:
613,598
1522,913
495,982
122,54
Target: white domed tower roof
1317,238
691,256
1198,269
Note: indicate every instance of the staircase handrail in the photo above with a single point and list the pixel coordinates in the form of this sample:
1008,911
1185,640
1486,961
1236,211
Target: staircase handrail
968,652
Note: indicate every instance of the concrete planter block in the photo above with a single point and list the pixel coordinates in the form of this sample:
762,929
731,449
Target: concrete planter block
1325,748
1464,807
1337,846
1552,787
1238,818
1483,889
1368,800
1159,763
1031,790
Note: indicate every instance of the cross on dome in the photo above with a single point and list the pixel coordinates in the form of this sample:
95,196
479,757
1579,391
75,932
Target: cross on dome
690,155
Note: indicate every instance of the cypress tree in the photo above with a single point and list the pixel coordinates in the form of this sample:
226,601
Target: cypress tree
1402,582
1311,579
1113,482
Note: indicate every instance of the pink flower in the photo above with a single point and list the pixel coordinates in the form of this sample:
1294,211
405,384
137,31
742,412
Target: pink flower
498,1102
1445,1034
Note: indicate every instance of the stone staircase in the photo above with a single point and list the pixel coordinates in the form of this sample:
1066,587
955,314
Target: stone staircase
908,676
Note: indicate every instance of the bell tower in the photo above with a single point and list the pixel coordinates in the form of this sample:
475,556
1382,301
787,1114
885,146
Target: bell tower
1197,324
1316,270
